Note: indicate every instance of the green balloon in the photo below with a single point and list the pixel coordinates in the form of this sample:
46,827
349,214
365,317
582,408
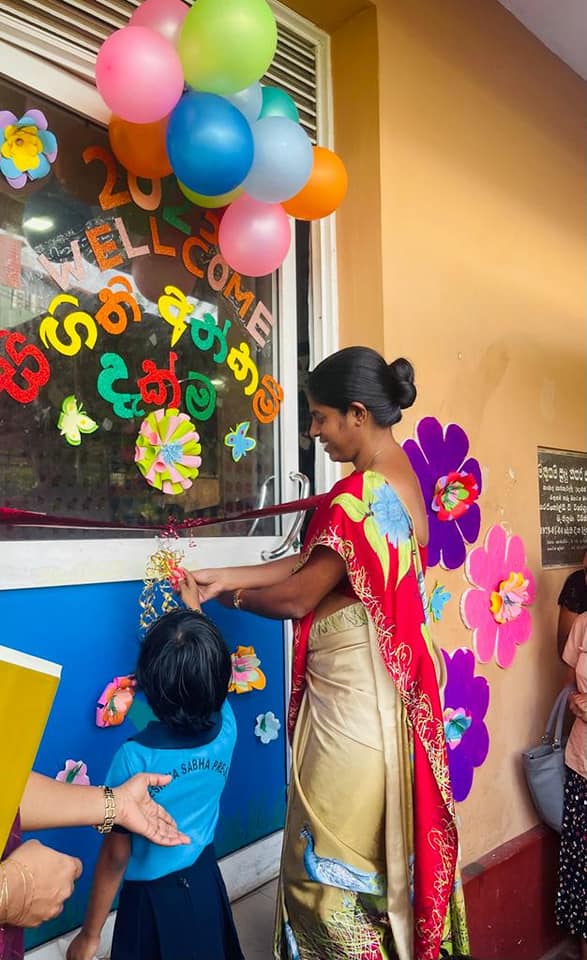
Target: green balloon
201,200
278,103
226,45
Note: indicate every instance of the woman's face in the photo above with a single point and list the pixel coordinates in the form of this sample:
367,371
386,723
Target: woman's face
336,431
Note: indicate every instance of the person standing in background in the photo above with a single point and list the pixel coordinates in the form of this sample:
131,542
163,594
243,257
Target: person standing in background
572,602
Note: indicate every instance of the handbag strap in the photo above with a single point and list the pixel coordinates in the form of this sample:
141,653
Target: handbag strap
554,725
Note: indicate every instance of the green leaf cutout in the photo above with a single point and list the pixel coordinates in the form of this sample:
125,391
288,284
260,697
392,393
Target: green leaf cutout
379,544
354,508
404,550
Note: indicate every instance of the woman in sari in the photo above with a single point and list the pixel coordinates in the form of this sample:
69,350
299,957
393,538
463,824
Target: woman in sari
369,864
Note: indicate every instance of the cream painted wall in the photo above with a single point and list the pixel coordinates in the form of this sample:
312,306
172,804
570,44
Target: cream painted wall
482,159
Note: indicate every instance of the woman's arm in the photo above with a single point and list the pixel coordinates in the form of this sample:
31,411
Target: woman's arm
110,868
299,593
215,580
566,619
47,803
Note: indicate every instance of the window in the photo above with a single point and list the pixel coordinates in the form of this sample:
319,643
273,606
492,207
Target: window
68,243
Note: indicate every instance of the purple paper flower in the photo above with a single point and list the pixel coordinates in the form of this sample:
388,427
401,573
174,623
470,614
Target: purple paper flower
466,699
437,456
27,147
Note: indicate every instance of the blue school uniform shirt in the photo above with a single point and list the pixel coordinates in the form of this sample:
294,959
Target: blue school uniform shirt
199,764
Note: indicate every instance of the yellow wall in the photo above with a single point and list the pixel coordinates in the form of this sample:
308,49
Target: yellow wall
461,245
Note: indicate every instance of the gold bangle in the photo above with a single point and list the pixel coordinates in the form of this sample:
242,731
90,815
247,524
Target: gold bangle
109,811
4,895
236,598
27,875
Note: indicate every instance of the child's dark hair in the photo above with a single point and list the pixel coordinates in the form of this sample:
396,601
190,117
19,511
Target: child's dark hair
184,668
361,375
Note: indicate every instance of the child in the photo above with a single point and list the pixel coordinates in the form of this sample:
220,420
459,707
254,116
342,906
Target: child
173,904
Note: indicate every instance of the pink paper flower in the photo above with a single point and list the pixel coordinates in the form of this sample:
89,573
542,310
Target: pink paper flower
496,608
75,771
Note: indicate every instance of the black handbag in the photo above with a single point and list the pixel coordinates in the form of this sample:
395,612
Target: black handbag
544,766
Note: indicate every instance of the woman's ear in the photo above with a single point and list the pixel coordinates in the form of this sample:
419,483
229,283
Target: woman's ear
359,413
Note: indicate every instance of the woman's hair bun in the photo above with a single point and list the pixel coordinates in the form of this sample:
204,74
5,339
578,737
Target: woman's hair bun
401,376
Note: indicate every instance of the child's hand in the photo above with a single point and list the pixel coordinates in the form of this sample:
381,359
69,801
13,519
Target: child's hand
188,591
83,947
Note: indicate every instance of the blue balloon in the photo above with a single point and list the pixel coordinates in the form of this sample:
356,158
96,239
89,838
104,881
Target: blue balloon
209,144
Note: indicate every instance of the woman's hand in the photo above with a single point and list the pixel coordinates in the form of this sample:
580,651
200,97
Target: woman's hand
212,582
189,591
578,705
83,947
136,811
50,878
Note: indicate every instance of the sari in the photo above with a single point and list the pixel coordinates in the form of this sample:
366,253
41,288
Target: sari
369,863
12,938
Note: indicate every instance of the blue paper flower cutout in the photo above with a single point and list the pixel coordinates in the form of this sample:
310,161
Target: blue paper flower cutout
437,602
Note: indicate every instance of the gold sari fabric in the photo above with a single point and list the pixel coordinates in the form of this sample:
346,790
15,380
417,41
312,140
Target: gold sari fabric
346,877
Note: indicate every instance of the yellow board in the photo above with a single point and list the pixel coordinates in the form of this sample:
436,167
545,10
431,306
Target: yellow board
27,690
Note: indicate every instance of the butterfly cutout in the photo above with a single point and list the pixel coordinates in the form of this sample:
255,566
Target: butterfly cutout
239,441
73,421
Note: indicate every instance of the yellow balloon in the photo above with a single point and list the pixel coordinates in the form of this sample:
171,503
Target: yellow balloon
222,200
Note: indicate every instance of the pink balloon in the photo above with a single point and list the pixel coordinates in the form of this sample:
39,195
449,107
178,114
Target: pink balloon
164,16
254,237
139,75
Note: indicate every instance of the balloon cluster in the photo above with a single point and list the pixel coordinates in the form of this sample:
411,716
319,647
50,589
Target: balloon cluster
183,87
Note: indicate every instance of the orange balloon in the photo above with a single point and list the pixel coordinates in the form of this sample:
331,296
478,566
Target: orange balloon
140,147
324,191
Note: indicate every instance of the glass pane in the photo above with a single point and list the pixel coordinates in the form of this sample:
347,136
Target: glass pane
86,255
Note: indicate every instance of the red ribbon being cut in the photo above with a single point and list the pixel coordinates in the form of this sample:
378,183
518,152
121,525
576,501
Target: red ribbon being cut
10,516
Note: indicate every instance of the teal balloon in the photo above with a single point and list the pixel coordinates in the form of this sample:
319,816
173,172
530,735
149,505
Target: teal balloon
278,103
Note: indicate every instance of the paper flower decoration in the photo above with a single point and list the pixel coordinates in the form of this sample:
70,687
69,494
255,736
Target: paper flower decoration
437,601
238,440
267,727
74,771
115,701
167,451
73,421
246,674
466,699
27,148
451,484
496,607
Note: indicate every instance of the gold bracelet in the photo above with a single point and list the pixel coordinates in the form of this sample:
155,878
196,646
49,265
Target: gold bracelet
109,811
236,598
27,875
4,895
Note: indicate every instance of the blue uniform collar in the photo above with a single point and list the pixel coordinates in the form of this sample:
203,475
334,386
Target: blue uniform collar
157,736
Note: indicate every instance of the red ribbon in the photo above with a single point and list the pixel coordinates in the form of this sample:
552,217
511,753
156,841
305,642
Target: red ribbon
10,516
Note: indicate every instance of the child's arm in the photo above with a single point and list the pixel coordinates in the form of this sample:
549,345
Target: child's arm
109,873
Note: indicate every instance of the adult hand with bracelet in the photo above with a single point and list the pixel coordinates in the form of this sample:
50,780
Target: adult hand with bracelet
35,881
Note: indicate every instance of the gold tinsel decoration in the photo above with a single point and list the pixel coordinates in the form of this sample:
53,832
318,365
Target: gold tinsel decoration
162,574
